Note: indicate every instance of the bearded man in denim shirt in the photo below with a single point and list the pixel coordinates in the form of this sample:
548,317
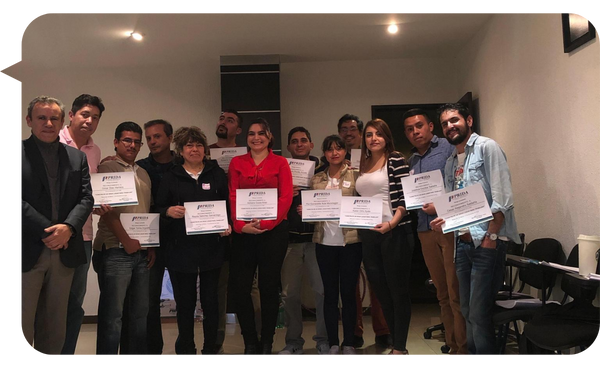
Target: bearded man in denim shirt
480,249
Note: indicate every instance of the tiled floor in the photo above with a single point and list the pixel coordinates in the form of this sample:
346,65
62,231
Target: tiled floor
423,316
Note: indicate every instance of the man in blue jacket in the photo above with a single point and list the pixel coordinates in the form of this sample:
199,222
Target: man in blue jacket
480,249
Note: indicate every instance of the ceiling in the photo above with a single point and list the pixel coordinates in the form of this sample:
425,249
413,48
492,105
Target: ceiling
100,40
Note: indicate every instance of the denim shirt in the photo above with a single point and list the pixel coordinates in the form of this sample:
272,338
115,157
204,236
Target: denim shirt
434,159
485,163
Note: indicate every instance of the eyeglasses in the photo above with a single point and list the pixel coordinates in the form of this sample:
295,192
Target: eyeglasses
346,130
128,142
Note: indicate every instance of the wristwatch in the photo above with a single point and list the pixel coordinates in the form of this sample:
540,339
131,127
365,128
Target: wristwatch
492,236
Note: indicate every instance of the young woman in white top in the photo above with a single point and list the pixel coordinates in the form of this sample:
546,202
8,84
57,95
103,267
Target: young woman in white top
388,248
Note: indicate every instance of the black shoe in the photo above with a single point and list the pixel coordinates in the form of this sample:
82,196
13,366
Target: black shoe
251,349
358,342
267,348
384,341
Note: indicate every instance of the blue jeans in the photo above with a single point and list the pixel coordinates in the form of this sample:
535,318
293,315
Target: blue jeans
480,273
121,274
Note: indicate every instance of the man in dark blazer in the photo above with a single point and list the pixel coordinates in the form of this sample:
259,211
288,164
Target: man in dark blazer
56,201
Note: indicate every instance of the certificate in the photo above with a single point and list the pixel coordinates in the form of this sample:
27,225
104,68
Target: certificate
360,212
355,158
260,203
422,188
115,189
224,155
142,227
321,205
302,171
462,208
206,217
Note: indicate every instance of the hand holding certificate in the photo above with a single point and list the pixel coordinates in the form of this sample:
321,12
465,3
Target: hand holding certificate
462,208
422,188
360,212
321,205
114,189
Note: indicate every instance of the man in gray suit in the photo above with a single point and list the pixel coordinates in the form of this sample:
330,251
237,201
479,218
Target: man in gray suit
56,202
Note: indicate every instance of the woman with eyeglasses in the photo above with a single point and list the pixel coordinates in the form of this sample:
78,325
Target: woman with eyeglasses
258,243
388,248
191,256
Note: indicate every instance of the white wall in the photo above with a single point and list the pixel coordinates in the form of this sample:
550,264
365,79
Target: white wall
541,105
315,95
182,95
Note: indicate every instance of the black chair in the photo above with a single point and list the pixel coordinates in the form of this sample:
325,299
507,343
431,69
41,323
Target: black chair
544,249
574,324
517,250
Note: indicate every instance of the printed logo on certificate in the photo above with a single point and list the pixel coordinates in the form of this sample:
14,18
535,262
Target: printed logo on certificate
143,227
360,212
206,217
463,208
258,203
321,205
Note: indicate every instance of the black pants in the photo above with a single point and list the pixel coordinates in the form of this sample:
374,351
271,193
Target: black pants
153,328
185,293
339,268
267,252
387,259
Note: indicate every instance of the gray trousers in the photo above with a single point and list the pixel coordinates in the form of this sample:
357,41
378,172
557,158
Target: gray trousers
45,296
301,256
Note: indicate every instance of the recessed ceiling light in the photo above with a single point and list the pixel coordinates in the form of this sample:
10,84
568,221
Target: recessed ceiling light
393,29
136,36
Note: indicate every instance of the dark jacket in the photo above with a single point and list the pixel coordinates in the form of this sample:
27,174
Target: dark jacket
191,253
300,232
75,202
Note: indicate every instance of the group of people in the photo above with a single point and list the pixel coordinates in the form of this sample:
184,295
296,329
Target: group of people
268,255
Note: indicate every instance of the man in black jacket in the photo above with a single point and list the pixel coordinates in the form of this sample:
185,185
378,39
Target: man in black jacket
56,202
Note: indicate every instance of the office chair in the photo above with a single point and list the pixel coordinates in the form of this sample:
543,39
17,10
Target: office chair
544,249
506,292
574,324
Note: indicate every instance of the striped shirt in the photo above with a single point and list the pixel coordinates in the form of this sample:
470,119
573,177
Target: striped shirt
397,168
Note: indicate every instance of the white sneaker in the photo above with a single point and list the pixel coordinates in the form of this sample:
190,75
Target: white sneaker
335,349
291,349
348,350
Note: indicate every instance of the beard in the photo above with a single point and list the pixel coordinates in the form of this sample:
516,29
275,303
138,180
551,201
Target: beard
221,133
459,138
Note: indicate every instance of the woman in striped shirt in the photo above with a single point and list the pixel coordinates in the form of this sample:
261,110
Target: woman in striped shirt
387,248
